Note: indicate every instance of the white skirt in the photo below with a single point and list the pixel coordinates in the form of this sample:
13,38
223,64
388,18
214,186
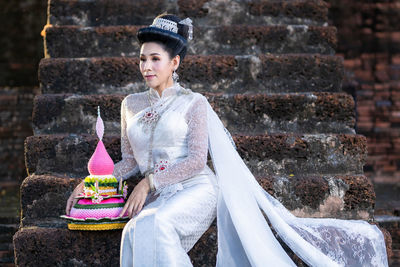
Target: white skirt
172,220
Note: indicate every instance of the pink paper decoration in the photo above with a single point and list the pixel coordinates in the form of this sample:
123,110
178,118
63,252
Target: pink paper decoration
100,163
99,125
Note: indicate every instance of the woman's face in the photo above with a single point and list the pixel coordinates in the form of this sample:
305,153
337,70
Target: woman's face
156,66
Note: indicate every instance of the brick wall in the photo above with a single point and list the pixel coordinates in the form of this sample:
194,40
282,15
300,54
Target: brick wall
369,41
15,126
21,48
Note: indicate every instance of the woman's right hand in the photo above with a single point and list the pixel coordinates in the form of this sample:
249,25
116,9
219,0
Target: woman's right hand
72,198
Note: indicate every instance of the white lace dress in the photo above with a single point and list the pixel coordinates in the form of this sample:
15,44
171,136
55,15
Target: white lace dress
171,135
167,135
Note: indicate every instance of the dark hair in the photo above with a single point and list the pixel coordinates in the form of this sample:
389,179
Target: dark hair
174,44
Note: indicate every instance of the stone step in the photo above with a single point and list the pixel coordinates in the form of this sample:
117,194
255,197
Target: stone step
253,114
61,247
114,41
44,197
141,12
37,246
213,73
274,154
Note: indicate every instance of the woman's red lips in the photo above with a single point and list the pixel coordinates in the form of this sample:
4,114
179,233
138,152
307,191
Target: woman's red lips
149,76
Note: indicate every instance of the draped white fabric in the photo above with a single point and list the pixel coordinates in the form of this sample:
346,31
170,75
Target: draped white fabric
245,238
186,199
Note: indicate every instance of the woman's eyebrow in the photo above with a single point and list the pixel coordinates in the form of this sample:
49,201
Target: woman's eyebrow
152,54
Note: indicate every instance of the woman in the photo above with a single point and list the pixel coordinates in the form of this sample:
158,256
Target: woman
166,133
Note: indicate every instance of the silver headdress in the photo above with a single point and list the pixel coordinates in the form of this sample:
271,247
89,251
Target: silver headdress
188,22
172,26
165,24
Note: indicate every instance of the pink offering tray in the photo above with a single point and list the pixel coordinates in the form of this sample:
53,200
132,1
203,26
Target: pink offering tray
99,211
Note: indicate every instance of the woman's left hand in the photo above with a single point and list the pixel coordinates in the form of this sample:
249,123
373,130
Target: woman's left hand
136,200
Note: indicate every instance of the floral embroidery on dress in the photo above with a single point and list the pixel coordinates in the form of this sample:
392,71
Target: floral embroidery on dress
149,117
161,166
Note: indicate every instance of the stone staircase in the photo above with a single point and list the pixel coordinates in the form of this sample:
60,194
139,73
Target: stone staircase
267,67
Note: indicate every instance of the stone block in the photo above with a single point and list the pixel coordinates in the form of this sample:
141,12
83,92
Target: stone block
36,246
44,197
213,73
278,154
245,114
273,154
114,41
124,12
58,246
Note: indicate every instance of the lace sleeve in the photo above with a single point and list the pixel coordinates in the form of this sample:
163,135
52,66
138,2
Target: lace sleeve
127,166
196,159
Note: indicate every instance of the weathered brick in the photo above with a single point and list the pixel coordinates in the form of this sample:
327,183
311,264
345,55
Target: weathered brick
123,12
51,247
16,105
251,114
274,154
61,247
368,35
21,45
230,74
114,41
44,197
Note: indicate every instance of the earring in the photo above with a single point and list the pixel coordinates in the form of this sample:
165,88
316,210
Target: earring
175,76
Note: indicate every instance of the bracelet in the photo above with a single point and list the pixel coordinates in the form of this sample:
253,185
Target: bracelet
151,182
